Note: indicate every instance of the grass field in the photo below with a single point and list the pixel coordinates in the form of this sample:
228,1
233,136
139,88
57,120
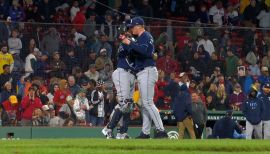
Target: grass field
103,146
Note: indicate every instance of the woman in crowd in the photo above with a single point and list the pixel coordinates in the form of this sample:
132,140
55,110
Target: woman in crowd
61,95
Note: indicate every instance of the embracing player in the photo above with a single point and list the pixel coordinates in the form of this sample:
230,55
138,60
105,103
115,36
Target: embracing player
147,75
123,79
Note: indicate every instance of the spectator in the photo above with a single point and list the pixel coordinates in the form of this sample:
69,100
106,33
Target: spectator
237,98
71,60
80,19
187,54
67,111
29,103
43,66
233,17
264,97
92,73
61,16
199,115
16,12
52,90
225,128
222,98
77,36
231,63
5,30
106,76
47,11
216,14
264,77
91,59
103,43
54,121
5,58
61,95
168,64
203,15
74,10
7,91
215,64
4,9
211,97
82,51
264,17
159,96
250,13
108,28
15,43
32,14
145,10
38,118
73,86
81,106
97,110
207,44
79,75
203,54
197,67
11,108
51,41
57,66
252,109
31,62
266,60
102,60
183,111
6,76
89,27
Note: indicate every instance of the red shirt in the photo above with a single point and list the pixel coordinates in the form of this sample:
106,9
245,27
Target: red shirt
168,65
60,98
79,20
8,107
29,106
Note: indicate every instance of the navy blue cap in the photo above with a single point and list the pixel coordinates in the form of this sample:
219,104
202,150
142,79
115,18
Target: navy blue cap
136,21
267,85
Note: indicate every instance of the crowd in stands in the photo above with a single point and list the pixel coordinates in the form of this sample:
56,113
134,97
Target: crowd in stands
57,56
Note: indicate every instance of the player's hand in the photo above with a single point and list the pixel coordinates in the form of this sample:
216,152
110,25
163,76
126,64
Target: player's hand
126,41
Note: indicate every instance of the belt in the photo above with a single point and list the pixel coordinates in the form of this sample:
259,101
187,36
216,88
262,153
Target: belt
141,69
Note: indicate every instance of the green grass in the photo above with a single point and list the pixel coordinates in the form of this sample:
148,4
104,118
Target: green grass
103,146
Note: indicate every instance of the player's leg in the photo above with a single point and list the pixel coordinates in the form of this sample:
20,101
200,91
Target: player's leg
147,79
258,131
266,129
249,130
146,126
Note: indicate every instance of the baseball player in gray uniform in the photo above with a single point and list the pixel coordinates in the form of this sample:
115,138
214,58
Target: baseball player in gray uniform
147,75
123,79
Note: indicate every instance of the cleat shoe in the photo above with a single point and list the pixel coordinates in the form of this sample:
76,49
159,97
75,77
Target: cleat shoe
143,136
118,136
125,136
161,134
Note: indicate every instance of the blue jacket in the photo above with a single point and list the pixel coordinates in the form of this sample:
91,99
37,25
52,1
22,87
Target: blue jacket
266,106
172,89
182,104
225,127
125,59
144,49
252,109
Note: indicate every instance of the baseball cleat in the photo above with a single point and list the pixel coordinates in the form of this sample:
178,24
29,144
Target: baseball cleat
143,136
161,134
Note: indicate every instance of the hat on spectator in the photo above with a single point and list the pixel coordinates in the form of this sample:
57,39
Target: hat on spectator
45,108
69,98
84,83
267,86
82,90
100,83
264,69
13,100
182,74
103,50
136,21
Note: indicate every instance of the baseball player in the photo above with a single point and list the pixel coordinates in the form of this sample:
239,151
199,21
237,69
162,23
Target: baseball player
123,79
147,75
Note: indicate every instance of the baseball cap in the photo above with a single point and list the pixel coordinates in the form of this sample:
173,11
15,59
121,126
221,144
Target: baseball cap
45,108
264,69
267,85
100,83
103,50
182,74
13,99
136,21
69,98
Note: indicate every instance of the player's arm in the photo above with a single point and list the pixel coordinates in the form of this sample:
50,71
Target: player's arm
143,49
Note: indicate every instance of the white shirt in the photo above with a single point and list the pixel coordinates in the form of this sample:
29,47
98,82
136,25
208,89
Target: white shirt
79,36
217,14
264,18
15,44
28,68
208,46
73,12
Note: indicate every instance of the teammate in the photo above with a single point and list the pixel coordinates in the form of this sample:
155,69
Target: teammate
147,75
123,79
